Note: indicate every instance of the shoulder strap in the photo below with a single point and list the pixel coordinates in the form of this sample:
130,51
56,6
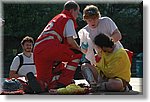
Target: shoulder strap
21,62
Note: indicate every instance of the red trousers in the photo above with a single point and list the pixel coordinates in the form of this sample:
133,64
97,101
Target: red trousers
45,55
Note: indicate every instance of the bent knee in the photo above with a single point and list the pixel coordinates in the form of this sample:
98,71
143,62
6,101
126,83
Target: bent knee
115,85
85,65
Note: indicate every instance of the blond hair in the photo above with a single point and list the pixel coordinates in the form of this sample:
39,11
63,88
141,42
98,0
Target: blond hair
91,11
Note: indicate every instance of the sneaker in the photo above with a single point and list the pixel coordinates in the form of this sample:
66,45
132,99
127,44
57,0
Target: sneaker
99,87
93,87
33,83
130,87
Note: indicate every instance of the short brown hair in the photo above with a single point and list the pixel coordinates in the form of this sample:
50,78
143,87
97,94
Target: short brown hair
71,5
27,39
91,11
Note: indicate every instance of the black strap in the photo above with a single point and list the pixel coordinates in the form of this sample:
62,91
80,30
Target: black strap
21,62
28,64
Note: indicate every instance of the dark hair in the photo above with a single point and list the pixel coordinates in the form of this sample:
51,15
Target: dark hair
27,39
71,5
102,40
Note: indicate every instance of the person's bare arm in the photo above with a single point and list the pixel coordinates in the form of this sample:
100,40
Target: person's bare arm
12,74
73,43
116,36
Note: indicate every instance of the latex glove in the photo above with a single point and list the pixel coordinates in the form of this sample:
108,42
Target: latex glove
84,47
83,59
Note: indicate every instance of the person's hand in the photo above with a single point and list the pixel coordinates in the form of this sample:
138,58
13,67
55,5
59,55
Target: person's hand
97,58
84,47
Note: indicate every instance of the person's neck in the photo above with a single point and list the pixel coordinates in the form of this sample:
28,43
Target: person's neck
28,54
112,49
68,13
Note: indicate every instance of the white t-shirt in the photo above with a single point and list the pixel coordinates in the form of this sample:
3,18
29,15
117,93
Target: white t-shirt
69,29
24,69
87,34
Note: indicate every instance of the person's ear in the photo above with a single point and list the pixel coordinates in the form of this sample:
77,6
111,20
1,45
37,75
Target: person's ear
72,10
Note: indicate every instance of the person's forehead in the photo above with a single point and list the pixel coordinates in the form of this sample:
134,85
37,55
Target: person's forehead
91,19
27,42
